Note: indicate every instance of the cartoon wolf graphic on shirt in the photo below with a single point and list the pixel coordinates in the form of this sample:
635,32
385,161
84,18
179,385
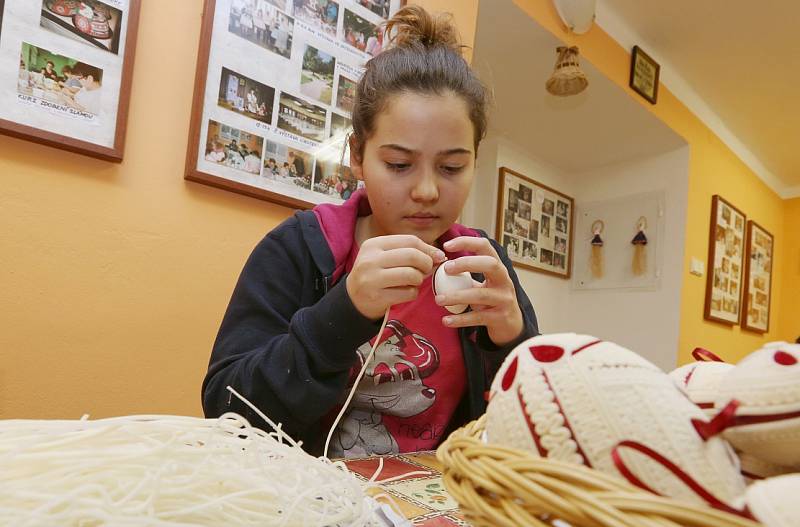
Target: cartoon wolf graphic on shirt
393,384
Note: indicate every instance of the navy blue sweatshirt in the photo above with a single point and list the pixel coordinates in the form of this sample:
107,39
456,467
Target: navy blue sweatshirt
288,339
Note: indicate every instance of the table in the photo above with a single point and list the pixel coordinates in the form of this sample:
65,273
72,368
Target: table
422,499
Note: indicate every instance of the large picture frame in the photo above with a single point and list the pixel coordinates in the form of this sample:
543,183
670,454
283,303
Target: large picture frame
72,65
274,92
535,224
757,294
726,248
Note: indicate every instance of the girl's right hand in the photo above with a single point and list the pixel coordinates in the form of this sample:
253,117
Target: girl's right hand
389,270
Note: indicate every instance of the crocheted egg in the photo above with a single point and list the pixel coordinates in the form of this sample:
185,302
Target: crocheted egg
774,501
755,469
766,385
576,398
699,381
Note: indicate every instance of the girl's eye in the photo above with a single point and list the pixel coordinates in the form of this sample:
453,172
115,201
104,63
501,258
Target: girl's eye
397,167
452,169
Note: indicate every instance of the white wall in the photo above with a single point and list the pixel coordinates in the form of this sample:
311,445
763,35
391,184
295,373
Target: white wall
645,321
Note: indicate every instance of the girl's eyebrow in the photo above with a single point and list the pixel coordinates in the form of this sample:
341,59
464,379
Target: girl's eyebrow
406,150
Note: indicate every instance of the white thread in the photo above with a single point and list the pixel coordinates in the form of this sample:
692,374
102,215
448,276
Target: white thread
355,384
168,471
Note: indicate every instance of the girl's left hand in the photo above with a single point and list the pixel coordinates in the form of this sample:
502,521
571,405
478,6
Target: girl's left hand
493,302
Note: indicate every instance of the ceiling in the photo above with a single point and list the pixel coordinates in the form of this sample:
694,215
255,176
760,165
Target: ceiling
603,125
735,63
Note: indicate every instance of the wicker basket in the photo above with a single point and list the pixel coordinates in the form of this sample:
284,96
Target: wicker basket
497,486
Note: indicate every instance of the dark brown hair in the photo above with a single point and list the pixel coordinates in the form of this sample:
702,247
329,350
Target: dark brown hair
423,56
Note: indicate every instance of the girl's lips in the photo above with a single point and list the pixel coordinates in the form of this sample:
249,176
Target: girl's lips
422,219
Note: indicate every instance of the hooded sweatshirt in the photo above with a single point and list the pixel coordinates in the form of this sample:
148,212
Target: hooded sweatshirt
291,338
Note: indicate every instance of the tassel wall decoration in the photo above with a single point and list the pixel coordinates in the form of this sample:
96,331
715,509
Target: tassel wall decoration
640,248
596,260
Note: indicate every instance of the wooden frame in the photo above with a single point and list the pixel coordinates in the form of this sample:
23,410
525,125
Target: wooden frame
757,294
644,75
726,249
293,84
535,223
46,111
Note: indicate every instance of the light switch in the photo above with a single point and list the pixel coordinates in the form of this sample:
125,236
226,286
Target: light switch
697,268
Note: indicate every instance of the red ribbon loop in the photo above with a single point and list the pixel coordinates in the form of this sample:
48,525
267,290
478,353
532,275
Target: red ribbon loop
703,355
676,470
725,419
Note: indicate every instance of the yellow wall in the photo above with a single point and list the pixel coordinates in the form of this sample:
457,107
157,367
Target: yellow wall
114,278
790,306
713,168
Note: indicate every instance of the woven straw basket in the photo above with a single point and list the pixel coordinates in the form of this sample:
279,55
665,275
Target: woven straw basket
498,487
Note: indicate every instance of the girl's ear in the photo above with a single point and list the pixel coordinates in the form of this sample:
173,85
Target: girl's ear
355,159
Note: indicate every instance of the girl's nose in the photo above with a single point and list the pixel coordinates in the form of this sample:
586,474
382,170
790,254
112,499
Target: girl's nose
426,187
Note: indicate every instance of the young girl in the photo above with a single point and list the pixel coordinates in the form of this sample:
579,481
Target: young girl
311,297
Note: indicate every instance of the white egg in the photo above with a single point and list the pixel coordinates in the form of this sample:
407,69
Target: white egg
444,283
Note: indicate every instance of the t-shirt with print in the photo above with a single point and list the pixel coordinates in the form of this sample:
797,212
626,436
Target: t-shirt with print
411,387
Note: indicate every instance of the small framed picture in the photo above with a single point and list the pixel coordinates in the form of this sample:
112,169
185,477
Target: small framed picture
644,75
67,67
535,224
758,279
726,249
274,92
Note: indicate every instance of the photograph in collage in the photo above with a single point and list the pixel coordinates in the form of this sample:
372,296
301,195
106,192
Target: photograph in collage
243,95
511,245
321,14
233,148
301,118
334,179
287,165
345,94
90,21
379,7
58,79
340,126
261,23
362,34
316,76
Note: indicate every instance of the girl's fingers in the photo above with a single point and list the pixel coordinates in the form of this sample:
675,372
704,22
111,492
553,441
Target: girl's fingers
490,266
399,277
400,241
475,244
485,317
487,261
406,257
477,296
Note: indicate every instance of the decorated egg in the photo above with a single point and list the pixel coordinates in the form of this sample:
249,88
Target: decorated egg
766,386
699,381
576,398
754,469
774,501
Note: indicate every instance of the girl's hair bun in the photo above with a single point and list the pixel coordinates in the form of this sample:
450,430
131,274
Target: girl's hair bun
412,26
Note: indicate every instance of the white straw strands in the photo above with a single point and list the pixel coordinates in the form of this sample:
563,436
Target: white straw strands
168,471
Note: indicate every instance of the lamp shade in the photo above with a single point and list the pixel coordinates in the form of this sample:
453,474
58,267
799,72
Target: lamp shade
578,15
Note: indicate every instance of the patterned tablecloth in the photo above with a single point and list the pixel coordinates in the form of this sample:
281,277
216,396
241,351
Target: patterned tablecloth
422,498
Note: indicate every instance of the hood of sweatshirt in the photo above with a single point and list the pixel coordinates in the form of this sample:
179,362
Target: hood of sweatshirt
338,226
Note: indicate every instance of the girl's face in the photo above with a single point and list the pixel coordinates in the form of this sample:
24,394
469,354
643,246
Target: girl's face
418,165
